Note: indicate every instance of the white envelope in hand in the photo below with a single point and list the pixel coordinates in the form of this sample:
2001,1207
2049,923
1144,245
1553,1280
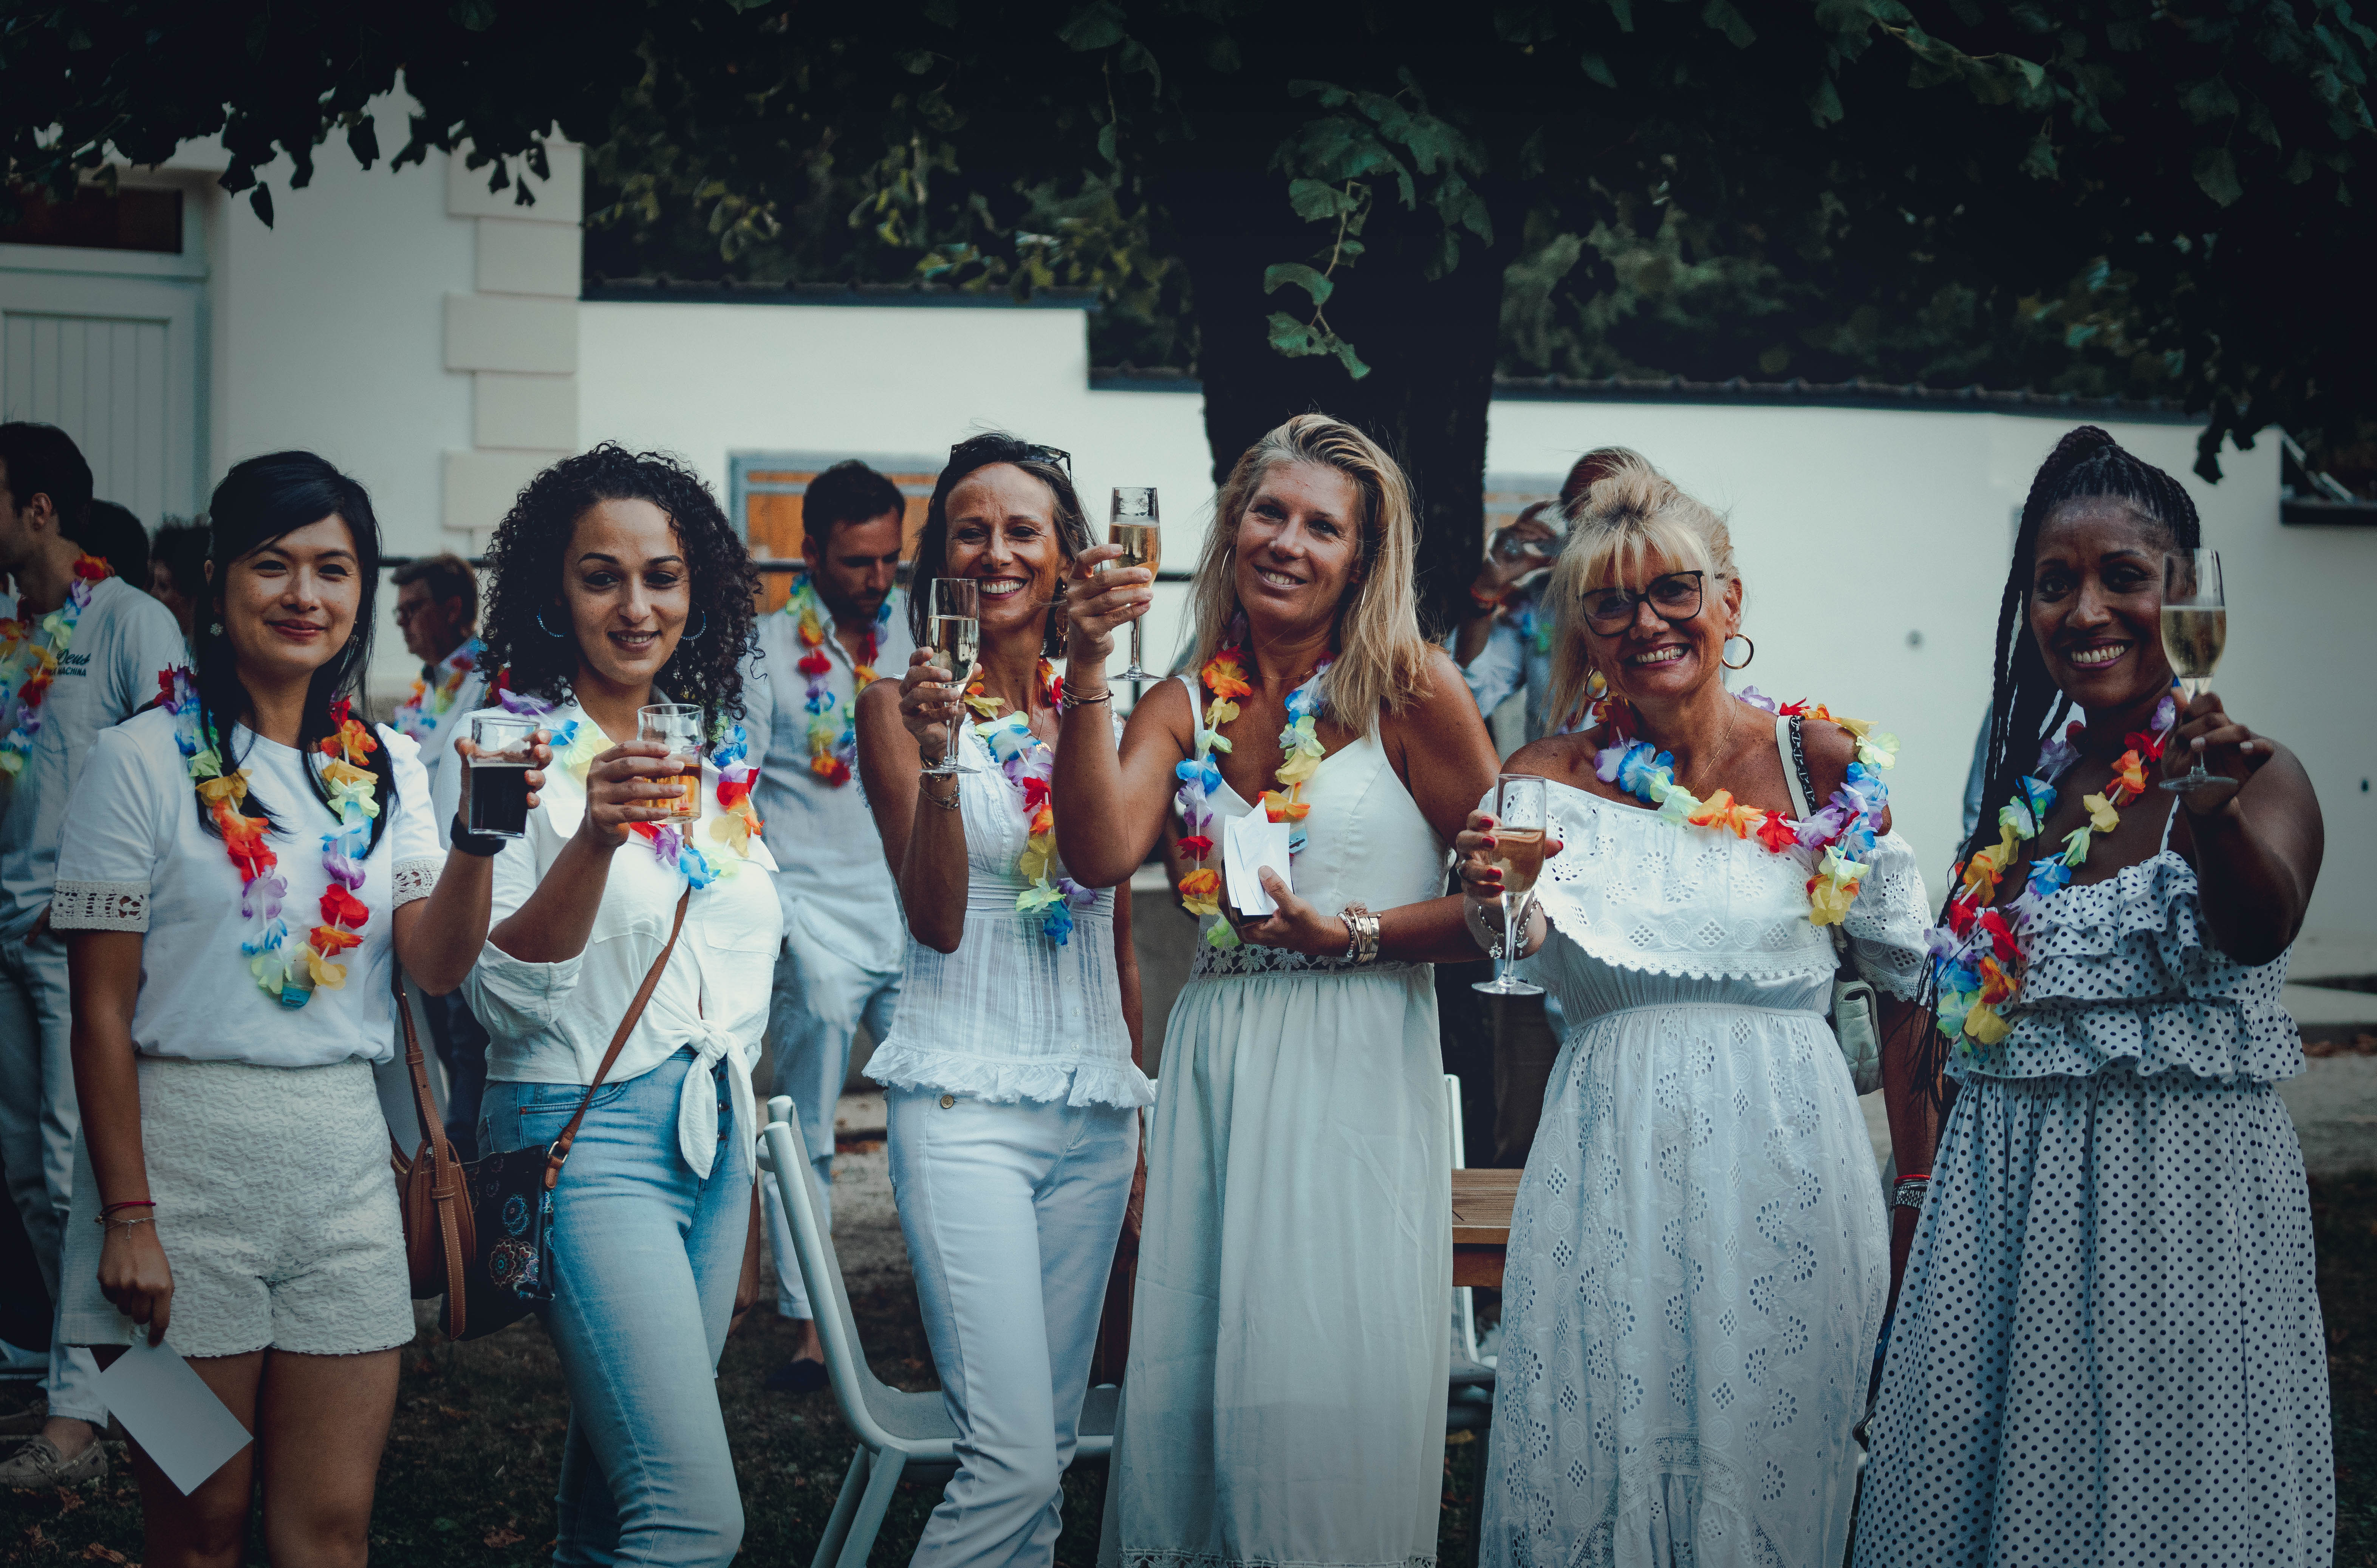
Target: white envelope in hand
174,1417
1250,844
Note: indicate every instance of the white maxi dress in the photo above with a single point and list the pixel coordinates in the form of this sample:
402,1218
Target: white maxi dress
1285,1391
1699,1254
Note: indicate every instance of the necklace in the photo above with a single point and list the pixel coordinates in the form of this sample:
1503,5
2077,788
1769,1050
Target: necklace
1029,763
290,978
833,741
1840,834
576,743
1978,951
33,663
1225,675
420,713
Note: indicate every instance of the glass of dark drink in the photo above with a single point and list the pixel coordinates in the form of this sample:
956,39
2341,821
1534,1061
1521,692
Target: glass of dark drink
499,777
677,726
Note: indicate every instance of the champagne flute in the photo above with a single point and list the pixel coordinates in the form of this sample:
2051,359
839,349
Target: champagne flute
955,630
1133,527
2195,633
1521,819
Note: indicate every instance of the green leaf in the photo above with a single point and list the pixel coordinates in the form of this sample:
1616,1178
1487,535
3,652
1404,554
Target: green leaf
260,199
916,62
2215,174
1350,359
1310,279
1106,145
1825,104
2208,101
1624,11
1293,337
1597,69
473,16
1092,27
1722,16
363,140
940,13
1316,200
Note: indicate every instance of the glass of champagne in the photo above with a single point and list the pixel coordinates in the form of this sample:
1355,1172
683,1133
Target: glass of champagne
955,627
676,726
2194,631
1132,526
1521,818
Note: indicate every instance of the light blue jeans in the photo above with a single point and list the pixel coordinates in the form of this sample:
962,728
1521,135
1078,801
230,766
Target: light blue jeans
818,1001
647,1256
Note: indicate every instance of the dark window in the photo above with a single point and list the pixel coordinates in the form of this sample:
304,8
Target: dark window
128,220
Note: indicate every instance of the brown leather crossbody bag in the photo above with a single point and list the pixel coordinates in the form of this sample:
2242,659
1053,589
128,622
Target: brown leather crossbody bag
481,1235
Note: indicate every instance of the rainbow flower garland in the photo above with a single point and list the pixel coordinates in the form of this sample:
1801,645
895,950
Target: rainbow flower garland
1978,951
833,743
576,743
291,978
1225,675
1029,764
33,664
1842,833
419,714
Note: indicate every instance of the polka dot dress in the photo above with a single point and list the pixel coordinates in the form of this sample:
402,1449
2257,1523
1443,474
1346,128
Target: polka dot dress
2107,1347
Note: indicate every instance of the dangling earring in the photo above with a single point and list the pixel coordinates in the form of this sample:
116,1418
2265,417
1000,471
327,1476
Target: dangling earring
695,636
545,629
215,630
1745,659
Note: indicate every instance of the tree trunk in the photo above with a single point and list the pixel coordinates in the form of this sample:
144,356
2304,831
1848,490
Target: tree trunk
1429,344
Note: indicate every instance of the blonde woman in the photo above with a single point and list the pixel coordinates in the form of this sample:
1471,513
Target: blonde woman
1700,1256
1288,1345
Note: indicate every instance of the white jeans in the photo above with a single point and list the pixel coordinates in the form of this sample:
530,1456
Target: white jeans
1010,1212
38,1123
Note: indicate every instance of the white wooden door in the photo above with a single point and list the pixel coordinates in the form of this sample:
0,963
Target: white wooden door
114,362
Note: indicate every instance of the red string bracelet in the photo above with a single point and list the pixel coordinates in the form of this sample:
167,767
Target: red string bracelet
129,1203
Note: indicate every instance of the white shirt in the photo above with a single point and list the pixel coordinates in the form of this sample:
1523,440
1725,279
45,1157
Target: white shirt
123,639
835,882
134,858
551,1023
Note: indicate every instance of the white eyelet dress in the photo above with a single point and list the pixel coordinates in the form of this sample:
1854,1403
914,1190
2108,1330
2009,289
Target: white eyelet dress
2107,1347
1285,1398
1699,1254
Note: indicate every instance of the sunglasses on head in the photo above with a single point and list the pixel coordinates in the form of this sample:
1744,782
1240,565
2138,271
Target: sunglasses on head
1044,454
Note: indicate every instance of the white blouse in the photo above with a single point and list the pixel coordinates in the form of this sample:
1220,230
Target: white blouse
134,858
551,1023
1012,1015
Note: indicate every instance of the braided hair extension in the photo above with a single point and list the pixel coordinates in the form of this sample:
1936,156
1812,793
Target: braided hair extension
524,563
260,501
2086,465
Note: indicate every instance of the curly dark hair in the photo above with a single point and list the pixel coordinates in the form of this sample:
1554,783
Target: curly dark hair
524,569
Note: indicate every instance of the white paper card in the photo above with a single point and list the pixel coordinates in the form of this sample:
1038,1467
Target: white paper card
171,1412
1249,844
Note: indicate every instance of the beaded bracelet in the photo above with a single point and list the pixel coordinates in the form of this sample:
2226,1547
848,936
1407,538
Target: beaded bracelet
1911,1190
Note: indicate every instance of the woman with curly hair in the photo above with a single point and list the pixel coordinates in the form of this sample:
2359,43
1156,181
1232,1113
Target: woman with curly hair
618,584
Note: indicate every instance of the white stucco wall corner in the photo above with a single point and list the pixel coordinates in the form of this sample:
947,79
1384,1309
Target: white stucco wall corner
482,485
560,199
533,412
520,258
514,332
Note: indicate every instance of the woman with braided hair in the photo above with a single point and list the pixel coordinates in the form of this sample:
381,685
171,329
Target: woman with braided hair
2107,1349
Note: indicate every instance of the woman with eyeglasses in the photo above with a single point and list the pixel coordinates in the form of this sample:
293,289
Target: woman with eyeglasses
1286,1382
1011,1070
1698,1258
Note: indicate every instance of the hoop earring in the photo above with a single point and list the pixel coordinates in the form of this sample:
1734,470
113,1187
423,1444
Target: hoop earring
695,636
545,629
1746,658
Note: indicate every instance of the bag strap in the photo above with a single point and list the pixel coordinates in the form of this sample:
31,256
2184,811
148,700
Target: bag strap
445,1165
1791,745
619,1042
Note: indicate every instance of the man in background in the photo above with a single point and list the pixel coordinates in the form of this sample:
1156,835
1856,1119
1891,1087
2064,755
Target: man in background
437,613
844,939
101,656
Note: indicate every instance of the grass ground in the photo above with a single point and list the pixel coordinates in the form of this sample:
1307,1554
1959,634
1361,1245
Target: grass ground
468,1479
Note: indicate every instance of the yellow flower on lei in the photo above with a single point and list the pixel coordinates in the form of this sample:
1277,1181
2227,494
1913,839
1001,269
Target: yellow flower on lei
2101,815
1201,892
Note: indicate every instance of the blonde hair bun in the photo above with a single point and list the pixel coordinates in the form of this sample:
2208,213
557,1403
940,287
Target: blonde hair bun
1632,514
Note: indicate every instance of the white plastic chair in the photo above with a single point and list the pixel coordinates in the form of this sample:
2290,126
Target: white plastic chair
1471,1404
898,1433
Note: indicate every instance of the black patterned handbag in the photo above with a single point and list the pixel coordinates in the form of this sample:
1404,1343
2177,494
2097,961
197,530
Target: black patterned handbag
481,1235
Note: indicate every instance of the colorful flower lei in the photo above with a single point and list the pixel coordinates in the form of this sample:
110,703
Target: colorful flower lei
1030,762
576,743
833,746
289,977
1978,951
33,664
419,714
1225,675
1842,834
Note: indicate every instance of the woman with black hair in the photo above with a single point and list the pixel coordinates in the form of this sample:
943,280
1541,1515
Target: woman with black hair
1012,1066
617,585
2107,1349
248,834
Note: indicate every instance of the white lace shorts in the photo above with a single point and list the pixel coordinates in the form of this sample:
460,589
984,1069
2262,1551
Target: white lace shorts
276,1206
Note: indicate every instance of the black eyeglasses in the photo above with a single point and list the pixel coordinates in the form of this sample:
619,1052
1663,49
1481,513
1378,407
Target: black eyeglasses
1044,454
1675,596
